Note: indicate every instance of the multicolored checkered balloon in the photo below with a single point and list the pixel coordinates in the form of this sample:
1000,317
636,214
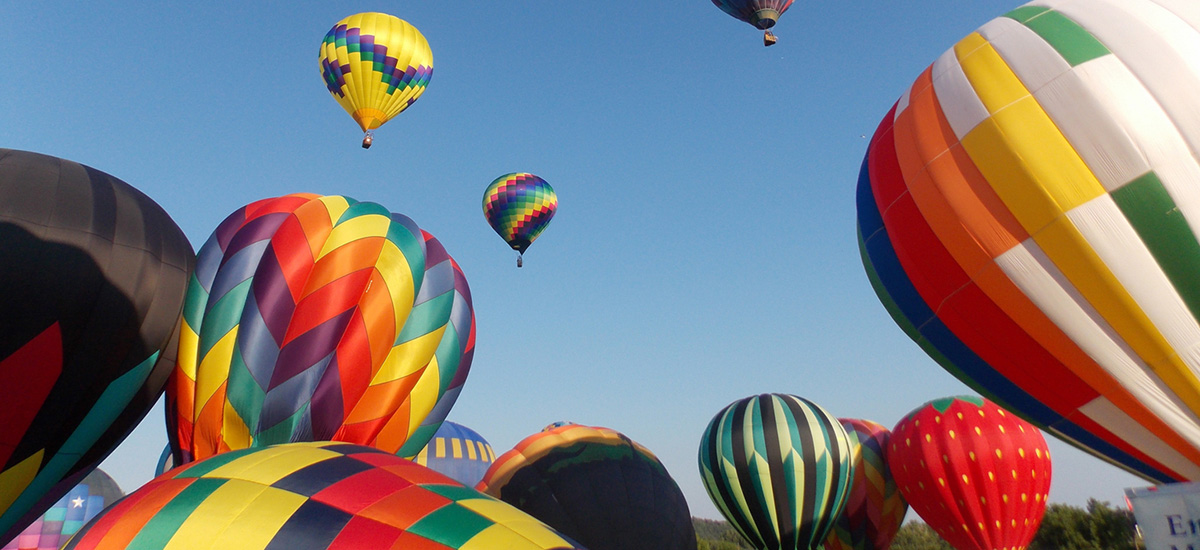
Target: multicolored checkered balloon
309,496
375,65
875,508
519,207
319,318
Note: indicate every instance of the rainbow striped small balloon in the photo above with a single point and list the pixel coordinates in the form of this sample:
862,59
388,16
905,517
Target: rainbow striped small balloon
875,508
519,207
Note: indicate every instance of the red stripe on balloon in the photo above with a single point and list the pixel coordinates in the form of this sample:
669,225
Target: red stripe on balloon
26,379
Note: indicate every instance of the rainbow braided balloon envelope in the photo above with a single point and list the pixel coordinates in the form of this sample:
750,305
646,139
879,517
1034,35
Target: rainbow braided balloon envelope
317,318
1028,214
875,509
778,467
312,496
763,14
976,474
519,207
82,503
375,65
596,486
458,452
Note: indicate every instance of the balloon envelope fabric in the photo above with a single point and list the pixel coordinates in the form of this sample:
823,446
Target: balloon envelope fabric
596,486
457,452
779,469
82,503
763,14
1028,212
318,318
976,474
375,65
875,509
519,206
302,496
92,279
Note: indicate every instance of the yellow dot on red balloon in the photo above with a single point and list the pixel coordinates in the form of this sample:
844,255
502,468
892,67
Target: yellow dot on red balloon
983,500
938,419
965,479
999,454
960,416
997,524
980,524
907,442
1014,474
991,476
928,438
1037,497
1021,451
1001,428
921,484
965,528
952,434
980,411
1014,523
1024,497
917,422
942,480
922,462
972,455
978,431
946,459
1033,473
1001,411
1004,498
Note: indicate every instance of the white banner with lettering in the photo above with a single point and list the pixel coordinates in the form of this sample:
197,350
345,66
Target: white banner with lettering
1168,515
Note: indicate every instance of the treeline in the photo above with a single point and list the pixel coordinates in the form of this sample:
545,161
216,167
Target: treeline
1064,527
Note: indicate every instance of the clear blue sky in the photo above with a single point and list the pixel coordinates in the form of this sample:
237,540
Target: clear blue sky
704,248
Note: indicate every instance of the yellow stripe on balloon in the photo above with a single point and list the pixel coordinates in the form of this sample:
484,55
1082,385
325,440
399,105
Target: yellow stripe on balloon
409,357
396,273
14,480
214,370
257,522
189,345
370,225
423,398
272,463
1040,177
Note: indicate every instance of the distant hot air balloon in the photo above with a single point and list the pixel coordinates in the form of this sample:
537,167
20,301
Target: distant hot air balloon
375,65
596,486
458,452
519,207
976,474
875,509
312,496
69,514
92,279
1027,214
317,318
778,467
763,14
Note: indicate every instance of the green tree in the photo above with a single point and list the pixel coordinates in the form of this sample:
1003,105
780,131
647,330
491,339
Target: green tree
1099,527
916,535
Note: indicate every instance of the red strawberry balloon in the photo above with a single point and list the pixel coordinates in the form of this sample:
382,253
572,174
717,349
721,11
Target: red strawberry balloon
976,474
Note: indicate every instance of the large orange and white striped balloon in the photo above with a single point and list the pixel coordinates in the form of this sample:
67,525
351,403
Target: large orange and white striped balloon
1028,214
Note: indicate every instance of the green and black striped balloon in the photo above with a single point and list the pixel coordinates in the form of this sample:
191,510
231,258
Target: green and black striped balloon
779,468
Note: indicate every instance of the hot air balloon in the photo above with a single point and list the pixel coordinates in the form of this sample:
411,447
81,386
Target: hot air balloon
312,496
976,474
519,206
1026,215
458,452
596,486
92,281
69,514
763,14
778,467
375,65
317,318
874,509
